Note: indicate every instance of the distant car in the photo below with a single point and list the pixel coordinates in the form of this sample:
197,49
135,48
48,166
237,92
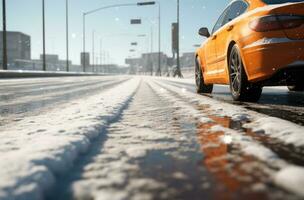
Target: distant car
254,43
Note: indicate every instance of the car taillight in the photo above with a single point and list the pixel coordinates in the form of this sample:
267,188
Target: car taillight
276,22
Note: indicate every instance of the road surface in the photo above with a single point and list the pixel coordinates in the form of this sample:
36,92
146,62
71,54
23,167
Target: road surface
147,138
22,97
275,101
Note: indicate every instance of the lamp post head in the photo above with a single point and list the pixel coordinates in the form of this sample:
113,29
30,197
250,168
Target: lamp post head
135,21
146,3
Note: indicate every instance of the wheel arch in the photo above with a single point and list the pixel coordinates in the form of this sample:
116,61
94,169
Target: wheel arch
230,46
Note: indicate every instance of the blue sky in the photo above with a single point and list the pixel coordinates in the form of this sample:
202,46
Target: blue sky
112,25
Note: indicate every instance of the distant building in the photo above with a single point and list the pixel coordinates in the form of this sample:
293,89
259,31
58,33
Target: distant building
50,58
148,63
85,59
18,47
134,62
187,60
53,63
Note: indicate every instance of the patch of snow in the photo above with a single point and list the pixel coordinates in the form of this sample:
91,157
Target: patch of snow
111,194
292,179
179,175
205,120
287,132
136,152
259,187
144,184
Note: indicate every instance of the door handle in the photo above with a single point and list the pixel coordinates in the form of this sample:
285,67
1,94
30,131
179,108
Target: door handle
214,37
230,28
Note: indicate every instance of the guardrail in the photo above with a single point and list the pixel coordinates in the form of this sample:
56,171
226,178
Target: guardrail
41,74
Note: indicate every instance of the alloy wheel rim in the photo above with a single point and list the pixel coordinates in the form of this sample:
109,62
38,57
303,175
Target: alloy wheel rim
235,71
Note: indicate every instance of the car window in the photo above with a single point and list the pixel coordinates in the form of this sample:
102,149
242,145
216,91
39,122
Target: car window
220,21
236,9
282,1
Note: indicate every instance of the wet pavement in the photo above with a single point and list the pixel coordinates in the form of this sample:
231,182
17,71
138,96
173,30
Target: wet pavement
159,148
276,102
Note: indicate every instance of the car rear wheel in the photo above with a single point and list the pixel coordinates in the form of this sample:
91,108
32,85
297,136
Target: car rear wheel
201,87
241,89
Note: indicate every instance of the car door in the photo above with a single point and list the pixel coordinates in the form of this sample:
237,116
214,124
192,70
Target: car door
210,53
224,34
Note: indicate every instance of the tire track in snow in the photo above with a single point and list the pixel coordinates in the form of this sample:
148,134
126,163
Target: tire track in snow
38,148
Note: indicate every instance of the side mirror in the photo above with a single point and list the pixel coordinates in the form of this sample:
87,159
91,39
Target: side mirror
204,32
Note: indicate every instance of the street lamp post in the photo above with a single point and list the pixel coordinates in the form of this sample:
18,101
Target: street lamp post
4,62
101,54
93,50
151,39
43,36
159,40
178,69
84,42
103,8
67,36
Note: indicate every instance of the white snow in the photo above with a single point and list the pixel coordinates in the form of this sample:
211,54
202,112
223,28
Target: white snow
37,148
248,145
291,178
287,132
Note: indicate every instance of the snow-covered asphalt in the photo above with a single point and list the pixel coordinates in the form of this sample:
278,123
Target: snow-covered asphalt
142,138
22,97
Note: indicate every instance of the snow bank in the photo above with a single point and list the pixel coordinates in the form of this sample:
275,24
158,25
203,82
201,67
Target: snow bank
35,149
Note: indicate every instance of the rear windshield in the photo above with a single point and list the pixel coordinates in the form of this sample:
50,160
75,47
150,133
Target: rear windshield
281,1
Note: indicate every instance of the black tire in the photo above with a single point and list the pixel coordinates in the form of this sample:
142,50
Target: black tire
298,87
240,88
201,87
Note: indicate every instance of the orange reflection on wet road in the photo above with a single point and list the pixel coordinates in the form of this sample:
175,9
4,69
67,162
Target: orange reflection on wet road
227,163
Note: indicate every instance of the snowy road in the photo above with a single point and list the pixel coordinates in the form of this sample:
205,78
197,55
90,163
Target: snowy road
144,138
22,97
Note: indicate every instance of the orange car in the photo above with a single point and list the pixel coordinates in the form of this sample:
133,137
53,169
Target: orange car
254,43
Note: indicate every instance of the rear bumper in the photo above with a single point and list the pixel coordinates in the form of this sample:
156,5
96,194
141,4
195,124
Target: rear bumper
266,58
285,76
